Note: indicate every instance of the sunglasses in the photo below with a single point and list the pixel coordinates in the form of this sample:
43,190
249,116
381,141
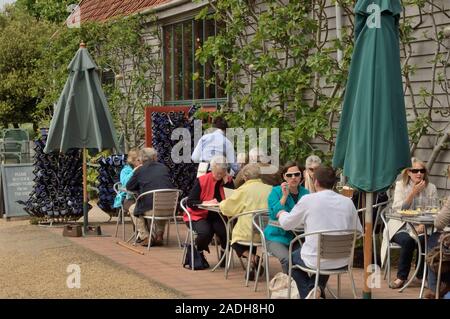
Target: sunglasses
416,170
296,174
312,169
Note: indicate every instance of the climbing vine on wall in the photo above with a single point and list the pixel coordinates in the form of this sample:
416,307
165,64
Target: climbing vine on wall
279,64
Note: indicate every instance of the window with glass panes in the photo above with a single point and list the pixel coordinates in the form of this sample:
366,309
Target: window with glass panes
181,40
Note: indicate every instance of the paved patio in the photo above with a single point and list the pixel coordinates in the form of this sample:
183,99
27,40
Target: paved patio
163,265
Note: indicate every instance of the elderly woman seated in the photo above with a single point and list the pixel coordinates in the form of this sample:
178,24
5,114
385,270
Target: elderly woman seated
252,195
123,199
208,188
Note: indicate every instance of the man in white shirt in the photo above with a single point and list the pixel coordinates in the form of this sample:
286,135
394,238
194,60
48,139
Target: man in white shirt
214,144
320,211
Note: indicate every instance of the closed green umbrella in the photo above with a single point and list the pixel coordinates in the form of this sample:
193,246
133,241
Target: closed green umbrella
82,118
372,143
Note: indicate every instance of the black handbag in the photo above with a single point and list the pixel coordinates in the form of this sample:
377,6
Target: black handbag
200,262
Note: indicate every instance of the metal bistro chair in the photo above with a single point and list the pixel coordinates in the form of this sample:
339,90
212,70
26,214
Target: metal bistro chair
381,207
11,149
165,202
21,136
331,244
17,134
251,244
260,221
190,237
121,216
391,245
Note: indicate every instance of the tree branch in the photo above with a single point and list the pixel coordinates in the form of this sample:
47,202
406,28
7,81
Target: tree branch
437,149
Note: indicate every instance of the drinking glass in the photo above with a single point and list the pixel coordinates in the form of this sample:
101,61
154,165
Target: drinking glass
435,205
428,204
419,203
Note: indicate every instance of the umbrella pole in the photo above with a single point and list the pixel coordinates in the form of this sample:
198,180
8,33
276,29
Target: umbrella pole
367,292
85,212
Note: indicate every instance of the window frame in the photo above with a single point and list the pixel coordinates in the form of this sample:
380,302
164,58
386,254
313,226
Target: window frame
170,74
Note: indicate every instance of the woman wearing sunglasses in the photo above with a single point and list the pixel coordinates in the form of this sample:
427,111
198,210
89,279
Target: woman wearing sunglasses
283,197
413,187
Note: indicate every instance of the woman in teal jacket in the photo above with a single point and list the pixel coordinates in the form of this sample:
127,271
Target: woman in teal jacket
283,197
127,200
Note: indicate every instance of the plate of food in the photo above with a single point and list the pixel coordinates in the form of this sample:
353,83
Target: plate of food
409,212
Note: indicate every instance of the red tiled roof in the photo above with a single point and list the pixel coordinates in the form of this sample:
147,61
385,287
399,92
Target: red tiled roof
101,10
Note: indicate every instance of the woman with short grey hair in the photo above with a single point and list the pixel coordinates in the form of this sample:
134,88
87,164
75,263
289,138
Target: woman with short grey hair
251,196
219,162
208,189
251,171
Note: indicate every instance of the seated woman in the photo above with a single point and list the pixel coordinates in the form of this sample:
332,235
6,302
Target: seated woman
252,195
311,164
442,221
408,192
209,188
283,197
123,199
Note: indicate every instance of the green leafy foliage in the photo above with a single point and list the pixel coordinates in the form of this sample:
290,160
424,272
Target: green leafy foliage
92,173
50,10
22,45
276,61
272,62
36,48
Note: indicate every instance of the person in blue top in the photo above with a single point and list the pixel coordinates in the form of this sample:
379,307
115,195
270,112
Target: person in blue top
213,144
283,197
133,161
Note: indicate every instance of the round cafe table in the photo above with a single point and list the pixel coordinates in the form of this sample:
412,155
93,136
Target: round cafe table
426,219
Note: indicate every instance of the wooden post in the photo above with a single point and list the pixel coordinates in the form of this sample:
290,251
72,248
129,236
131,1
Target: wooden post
367,291
85,212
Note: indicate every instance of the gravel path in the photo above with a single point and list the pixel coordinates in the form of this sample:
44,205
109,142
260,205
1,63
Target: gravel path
34,262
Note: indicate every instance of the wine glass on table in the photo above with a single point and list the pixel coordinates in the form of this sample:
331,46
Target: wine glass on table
428,204
420,204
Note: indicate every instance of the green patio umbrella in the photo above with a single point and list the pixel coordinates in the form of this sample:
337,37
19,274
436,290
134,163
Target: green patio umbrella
82,118
372,143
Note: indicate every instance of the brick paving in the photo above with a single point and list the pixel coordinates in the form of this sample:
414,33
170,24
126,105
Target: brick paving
163,265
